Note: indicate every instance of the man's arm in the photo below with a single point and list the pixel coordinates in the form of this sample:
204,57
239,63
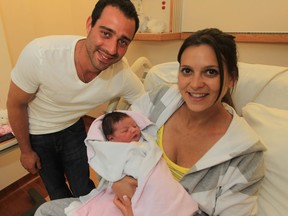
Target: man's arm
17,104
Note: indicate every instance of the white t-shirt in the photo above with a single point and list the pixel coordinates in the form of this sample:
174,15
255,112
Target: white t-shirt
46,66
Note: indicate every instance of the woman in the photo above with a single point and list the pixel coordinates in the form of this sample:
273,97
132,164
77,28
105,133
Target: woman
210,150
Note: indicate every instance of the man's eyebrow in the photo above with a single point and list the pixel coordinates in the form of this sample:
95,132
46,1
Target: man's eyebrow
113,32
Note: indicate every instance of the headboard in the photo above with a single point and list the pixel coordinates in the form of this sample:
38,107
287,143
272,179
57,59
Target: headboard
264,84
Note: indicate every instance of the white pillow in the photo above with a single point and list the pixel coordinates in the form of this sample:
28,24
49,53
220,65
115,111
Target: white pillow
252,86
271,125
275,93
165,73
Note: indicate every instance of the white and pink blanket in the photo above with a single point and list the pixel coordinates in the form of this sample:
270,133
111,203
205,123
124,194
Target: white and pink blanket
157,192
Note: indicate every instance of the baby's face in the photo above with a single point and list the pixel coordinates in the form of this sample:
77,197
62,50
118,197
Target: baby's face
125,130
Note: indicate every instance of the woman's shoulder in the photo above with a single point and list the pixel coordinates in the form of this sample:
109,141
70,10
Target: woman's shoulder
243,133
163,91
159,103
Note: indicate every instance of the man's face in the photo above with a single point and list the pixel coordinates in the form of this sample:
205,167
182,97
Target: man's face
108,40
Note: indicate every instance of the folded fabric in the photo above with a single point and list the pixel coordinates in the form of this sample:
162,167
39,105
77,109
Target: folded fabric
157,192
114,160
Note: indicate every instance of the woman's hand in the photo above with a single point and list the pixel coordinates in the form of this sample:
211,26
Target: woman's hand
124,206
125,187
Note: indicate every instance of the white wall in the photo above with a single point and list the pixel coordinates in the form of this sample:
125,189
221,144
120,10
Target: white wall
156,51
235,15
272,54
163,51
5,68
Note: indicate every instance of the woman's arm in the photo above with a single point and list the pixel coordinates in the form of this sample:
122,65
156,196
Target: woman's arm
239,195
125,187
124,206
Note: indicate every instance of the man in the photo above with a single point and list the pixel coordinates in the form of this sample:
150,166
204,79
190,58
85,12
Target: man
57,80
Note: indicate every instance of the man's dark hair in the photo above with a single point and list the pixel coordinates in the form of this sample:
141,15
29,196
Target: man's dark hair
126,6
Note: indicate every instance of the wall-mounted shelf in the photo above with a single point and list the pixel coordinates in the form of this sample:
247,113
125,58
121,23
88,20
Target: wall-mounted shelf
157,37
262,38
281,38
255,37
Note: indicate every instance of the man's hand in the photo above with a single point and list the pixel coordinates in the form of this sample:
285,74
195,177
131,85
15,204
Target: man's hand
125,187
30,161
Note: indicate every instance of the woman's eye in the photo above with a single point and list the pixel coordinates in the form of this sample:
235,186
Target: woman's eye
186,70
211,72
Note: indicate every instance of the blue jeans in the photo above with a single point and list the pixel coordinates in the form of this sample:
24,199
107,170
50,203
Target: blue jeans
63,156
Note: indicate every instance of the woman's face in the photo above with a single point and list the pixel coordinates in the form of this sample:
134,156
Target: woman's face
199,78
